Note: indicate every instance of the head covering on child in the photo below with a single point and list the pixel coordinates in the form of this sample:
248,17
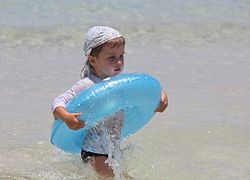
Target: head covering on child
95,37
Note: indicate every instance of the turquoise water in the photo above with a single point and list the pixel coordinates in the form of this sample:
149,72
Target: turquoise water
198,50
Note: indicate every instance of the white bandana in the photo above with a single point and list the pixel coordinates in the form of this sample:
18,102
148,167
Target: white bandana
95,37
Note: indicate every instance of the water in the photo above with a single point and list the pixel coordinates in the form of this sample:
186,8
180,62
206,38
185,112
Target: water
199,50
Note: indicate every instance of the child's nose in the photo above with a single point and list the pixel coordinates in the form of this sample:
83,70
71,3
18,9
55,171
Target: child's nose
119,60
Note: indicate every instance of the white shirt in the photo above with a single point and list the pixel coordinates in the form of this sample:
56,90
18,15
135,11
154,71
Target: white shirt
67,96
101,138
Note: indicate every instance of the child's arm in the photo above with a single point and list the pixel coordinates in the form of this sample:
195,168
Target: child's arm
164,102
69,118
59,104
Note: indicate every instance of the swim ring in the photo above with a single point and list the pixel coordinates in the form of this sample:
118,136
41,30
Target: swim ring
138,95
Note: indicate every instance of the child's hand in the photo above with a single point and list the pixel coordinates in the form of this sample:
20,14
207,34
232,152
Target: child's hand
72,121
69,118
164,102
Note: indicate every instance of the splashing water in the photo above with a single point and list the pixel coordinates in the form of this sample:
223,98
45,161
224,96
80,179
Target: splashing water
115,156
106,136
114,143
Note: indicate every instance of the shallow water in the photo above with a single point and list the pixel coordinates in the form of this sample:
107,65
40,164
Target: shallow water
198,50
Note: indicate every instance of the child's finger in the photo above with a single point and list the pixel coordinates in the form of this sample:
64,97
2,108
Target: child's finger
163,104
76,125
77,114
81,123
163,96
160,108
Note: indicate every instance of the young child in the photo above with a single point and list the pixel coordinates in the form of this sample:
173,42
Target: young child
104,49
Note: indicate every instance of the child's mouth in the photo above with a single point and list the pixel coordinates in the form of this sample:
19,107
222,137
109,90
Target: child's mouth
117,69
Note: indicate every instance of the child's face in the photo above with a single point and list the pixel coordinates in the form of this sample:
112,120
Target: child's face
109,61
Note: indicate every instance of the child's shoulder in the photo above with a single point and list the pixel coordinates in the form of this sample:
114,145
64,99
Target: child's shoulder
84,82
81,85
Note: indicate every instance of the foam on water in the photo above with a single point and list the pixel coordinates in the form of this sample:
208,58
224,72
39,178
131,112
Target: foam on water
63,23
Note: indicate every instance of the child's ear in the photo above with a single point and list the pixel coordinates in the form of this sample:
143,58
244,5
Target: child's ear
92,60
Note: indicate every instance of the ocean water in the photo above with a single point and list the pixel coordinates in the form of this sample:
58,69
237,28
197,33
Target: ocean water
198,50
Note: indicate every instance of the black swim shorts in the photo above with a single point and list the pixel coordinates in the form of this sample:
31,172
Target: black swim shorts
85,155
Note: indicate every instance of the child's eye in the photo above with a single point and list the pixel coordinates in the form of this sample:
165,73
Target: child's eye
121,57
113,58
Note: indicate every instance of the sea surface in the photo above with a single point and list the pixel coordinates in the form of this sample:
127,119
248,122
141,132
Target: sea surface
198,50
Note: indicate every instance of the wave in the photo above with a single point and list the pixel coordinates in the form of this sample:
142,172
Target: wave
176,33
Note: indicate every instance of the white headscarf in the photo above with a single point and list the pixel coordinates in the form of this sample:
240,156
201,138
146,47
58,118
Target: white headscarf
95,37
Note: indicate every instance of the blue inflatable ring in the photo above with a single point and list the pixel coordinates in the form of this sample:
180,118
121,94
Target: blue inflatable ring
138,95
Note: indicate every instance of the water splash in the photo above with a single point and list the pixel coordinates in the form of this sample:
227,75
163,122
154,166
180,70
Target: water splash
106,135
116,158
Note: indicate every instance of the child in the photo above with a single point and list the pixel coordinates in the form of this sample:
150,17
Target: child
104,54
